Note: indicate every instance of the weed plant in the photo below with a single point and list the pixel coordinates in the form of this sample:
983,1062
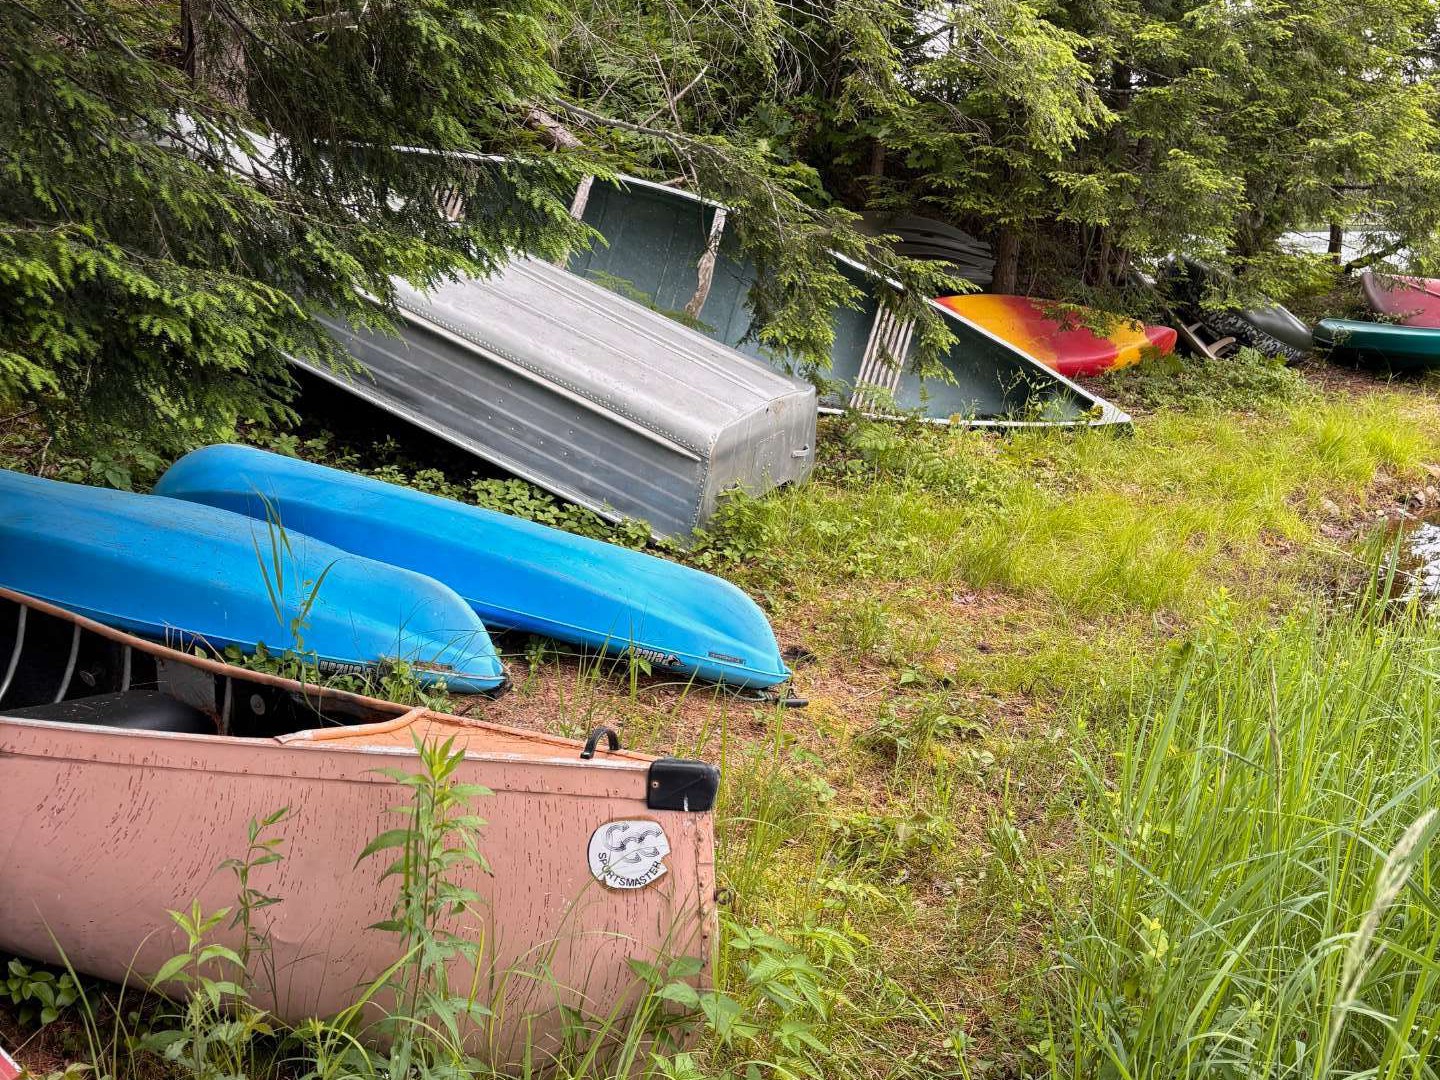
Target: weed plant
1247,381
767,1016
385,460
1261,890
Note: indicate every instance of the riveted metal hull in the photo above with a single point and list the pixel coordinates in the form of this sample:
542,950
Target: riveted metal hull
591,396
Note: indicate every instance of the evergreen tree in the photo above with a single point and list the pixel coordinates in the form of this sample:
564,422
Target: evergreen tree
1083,138
187,186
159,258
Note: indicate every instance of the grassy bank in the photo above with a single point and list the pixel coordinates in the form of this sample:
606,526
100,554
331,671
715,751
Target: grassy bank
964,840
1259,882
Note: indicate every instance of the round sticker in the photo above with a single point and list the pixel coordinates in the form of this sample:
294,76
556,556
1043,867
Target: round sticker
628,854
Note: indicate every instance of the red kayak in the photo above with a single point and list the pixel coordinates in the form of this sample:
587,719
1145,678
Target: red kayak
1415,301
1068,348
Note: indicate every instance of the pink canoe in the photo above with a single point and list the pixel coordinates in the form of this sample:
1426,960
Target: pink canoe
1414,301
130,772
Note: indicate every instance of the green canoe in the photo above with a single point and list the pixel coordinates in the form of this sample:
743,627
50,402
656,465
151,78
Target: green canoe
1401,348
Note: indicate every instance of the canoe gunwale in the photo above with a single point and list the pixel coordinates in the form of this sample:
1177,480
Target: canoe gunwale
147,631
1105,420
205,663
328,763
219,668
1399,346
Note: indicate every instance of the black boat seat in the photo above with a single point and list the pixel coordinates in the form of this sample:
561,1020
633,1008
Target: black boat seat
134,710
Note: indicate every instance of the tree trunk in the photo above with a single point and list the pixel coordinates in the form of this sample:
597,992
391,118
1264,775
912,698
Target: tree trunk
214,52
877,158
1336,248
1097,262
1007,260
1120,270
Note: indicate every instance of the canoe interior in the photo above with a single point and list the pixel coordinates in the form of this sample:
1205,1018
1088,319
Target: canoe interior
49,665
654,239
1272,329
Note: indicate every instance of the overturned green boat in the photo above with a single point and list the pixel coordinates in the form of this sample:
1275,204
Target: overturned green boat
673,249
1392,345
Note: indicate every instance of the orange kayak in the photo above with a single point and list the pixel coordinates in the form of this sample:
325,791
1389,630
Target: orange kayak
1069,349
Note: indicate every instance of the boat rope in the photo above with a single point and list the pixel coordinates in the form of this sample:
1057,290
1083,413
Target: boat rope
15,653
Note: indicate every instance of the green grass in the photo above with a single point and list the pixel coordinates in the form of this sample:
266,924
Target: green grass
1259,894
1027,584
1097,523
1236,383
988,614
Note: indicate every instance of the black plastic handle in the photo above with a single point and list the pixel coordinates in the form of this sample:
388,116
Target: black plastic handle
593,740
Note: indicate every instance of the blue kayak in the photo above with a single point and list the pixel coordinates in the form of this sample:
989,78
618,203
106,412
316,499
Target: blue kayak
516,574
194,575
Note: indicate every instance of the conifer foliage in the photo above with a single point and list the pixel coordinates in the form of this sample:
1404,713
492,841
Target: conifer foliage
187,181
159,256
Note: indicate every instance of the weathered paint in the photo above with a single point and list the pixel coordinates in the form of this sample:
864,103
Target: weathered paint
113,828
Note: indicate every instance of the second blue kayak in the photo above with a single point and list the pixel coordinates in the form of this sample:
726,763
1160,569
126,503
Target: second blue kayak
195,575
516,574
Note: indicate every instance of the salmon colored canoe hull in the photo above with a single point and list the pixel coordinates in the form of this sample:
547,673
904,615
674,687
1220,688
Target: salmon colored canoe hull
1415,301
112,828
1073,350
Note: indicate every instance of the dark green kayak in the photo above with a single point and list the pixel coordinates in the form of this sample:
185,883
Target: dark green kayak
1401,348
